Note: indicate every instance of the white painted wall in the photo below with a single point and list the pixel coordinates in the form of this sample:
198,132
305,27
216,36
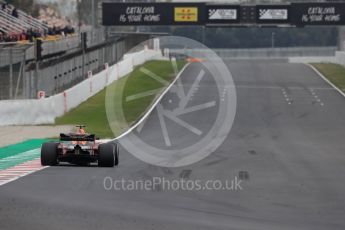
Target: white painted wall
340,57
326,59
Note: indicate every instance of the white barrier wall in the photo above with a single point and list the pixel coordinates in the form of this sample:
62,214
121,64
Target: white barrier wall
312,59
340,57
262,52
44,111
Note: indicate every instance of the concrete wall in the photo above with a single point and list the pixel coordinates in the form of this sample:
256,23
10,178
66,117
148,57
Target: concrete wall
266,52
312,59
277,52
294,55
340,57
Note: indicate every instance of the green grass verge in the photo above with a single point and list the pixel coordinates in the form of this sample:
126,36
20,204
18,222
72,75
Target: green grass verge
335,73
92,112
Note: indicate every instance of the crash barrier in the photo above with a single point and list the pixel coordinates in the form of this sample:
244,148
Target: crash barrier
44,111
325,59
263,52
340,57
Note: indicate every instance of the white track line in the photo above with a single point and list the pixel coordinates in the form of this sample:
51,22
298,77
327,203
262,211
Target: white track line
325,79
153,106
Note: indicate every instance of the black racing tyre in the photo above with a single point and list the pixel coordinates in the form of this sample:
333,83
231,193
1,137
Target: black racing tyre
49,154
117,153
106,155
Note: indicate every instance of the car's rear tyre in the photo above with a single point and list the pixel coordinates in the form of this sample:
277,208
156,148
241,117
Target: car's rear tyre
106,155
117,153
49,154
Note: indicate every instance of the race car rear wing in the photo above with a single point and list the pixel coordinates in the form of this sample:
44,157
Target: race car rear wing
71,137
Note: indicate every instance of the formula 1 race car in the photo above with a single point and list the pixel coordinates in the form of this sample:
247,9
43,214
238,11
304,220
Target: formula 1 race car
79,148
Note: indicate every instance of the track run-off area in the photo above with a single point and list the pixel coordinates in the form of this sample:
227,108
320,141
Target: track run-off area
285,146
19,160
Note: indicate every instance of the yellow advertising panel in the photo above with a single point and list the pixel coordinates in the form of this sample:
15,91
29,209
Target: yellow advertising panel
186,14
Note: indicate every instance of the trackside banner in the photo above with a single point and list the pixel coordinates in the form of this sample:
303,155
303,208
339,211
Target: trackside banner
318,14
210,14
131,14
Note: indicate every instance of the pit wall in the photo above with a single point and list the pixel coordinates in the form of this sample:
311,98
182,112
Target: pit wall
44,111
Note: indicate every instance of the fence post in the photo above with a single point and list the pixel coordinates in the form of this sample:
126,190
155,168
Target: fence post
30,82
24,90
106,66
20,77
35,86
65,101
11,74
83,43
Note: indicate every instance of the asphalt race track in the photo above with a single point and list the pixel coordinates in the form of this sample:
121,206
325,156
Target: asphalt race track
286,145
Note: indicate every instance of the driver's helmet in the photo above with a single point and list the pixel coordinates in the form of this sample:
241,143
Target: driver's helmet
81,131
